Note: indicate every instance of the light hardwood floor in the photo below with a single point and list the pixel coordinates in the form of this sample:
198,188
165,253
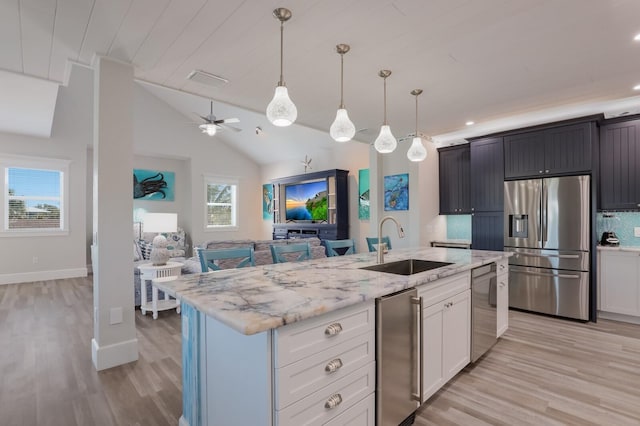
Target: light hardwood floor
544,371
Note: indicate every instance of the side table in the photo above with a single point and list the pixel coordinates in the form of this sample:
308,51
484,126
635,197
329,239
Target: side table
150,272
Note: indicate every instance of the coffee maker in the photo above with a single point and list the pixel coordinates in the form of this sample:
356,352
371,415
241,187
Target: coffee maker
609,237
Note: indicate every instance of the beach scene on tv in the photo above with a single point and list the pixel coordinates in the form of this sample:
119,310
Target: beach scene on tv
306,202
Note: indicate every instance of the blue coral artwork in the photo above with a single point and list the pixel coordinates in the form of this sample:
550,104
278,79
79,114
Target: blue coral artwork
267,201
153,185
396,192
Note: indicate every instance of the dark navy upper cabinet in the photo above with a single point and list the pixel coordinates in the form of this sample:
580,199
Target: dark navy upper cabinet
487,175
454,179
554,151
620,166
524,154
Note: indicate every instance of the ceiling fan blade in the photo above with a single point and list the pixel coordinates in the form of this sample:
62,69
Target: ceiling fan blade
224,126
227,121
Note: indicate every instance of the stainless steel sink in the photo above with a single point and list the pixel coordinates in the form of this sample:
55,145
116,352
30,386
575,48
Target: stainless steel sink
407,266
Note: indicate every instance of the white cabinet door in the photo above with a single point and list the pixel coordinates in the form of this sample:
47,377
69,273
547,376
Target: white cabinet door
620,284
502,304
446,345
456,338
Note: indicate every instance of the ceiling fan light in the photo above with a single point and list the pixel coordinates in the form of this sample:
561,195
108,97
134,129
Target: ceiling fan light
385,142
417,151
342,129
281,111
209,129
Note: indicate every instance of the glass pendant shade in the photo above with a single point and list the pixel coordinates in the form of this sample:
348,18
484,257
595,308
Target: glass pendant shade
209,129
385,142
417,151
281,111
342,129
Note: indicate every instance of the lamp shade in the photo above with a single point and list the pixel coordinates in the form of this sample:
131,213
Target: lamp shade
385,142
160,222
342,129
281,111
417,151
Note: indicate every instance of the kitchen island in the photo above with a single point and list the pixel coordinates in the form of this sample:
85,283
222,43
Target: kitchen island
250,336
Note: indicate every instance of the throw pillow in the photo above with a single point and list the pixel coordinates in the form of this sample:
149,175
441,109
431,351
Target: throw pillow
137,253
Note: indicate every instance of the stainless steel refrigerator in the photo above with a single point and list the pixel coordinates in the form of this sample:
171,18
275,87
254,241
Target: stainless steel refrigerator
547,226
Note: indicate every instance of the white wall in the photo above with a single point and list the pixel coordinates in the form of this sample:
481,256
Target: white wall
351,156
60,256
421,222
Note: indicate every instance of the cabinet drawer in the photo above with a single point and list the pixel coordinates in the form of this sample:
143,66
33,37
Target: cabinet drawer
361,414
302,339
444,288
345,393
299,379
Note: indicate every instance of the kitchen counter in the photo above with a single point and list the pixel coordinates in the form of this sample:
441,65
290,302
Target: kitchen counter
451,243
257,299
619,248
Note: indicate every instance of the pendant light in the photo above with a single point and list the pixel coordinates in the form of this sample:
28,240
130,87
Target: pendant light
342,129
417,151
281,111
385,142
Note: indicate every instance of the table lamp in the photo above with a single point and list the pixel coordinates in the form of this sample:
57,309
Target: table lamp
160,222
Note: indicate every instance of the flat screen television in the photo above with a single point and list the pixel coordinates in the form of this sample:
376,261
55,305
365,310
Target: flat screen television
306,202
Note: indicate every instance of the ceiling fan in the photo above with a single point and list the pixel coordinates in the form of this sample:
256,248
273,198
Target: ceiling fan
212,124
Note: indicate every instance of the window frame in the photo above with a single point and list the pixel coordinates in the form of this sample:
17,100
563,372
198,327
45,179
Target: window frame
37,163
221,180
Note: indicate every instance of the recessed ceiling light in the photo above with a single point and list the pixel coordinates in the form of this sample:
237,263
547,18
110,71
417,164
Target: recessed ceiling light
470,123
637,37
636,87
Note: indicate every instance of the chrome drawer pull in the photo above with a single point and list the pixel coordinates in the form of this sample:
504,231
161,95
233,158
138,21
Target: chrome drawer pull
333,366
333,329
333,401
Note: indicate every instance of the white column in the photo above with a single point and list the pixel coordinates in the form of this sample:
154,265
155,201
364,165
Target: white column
114,342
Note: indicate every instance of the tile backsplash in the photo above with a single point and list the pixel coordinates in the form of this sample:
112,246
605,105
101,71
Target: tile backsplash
459,227
622,225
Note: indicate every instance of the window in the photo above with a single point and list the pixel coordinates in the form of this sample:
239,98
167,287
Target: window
221,202
34,196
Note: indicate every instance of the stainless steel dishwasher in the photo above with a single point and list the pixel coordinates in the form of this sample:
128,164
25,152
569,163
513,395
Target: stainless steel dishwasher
397,358
483,310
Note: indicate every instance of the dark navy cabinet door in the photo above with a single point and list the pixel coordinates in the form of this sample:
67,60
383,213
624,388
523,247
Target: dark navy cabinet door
560,150
487,175
487,231
524,155
454,180
620,166
567,149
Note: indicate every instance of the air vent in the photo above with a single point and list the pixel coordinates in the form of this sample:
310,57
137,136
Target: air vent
207,78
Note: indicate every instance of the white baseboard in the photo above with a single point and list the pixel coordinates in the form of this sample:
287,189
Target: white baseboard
27,277
183,421
619,317
113,355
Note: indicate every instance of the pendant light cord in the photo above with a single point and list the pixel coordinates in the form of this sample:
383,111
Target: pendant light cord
385,102
281,82
342,81
416,116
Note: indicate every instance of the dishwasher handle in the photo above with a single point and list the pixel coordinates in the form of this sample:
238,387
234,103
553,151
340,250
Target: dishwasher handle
416,302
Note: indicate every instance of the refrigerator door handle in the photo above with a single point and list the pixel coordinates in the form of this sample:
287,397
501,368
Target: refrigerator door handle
560,256
545,211
522,271
419,364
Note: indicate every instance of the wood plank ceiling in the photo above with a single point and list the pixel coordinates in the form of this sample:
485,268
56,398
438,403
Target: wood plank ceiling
475,60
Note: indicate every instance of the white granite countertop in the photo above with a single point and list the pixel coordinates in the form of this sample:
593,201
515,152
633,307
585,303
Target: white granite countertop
619,248
256,299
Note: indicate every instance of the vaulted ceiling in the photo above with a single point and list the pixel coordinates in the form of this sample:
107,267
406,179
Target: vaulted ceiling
479,60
